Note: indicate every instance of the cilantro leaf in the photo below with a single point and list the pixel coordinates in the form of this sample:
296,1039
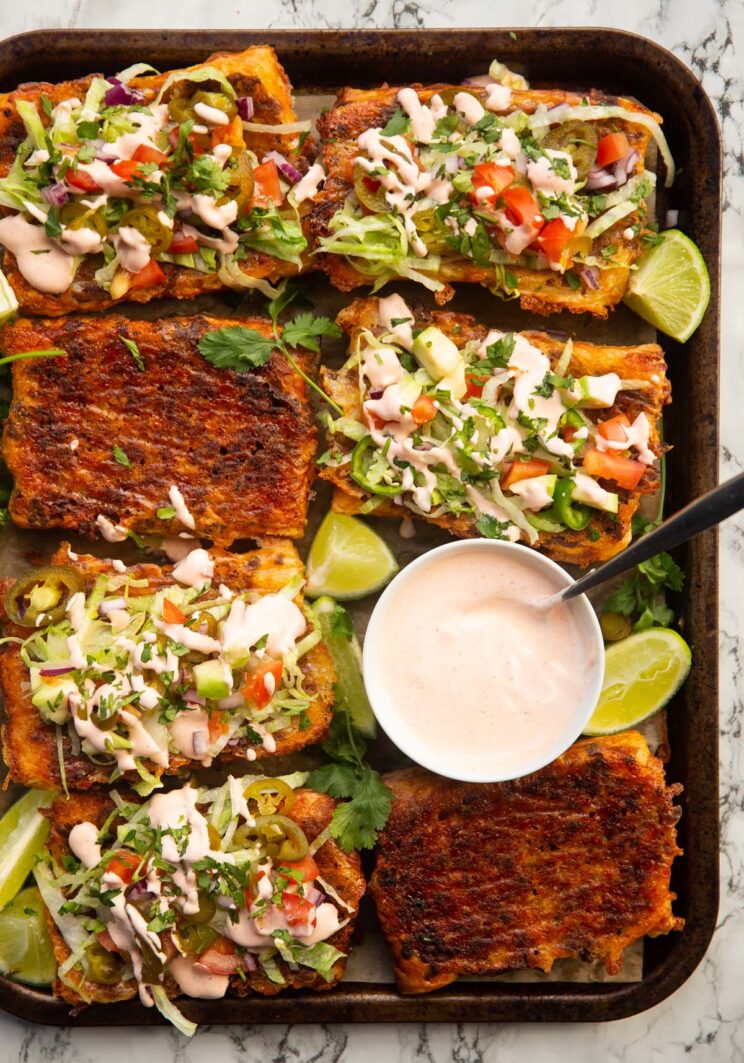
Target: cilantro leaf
340,623
134,350
642,595
236,347
120,457
52,226
355,823
398,123
305,330
338,780
491,528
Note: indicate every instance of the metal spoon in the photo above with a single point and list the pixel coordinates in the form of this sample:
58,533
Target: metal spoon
704,513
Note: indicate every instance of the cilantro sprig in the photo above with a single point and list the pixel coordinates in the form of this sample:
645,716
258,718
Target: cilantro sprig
365,810
242,349
642,595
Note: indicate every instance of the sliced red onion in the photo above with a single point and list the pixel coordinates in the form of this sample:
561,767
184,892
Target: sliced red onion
62,670
140,892
231,702
249,962
290,172
315,896
376,393
245,107
191,695
590,275
623,168
55,194
200,742
120,95
600,179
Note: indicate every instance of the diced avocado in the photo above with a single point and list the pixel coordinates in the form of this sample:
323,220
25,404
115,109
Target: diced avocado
597,392
213,680
589,492
535,486
454,382
436,353
50,698
43,597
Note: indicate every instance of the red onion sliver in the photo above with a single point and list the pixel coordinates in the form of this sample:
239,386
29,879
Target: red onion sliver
200,742
191,695
249,962
315,896
245,107
55,194
590,276
231,702
62,670
286,168
119,95
600,179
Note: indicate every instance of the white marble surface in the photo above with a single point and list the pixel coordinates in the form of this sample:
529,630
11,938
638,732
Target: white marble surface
704,1020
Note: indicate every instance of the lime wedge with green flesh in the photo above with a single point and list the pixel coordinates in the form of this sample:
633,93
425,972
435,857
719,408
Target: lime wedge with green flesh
343,645
642,673
347,559
23,831
26,953
8,301
670,288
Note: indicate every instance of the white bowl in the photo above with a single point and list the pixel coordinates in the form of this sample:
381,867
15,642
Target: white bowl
381,695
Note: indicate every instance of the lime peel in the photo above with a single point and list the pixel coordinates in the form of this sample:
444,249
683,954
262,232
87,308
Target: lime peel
670,288
23,831
26,952
642,673
347,559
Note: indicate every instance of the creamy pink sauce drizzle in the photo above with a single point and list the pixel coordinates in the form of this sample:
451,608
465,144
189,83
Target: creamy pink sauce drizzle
477,676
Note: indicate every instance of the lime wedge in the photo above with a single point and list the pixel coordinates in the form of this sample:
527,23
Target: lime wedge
26,952
339,637
23,831
642,672
347,559
8,301
670,289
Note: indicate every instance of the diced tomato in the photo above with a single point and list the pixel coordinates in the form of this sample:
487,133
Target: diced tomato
145,153
266,189
254,687
193,138
296,909
521,207
124,863
105,940
474,386
125,168
424,410
220,958
171,613
624,471
611,148
524,470
614,428
553,239
148,277
182,244
81,179
489,175
217,725
307,866
231,134
569,433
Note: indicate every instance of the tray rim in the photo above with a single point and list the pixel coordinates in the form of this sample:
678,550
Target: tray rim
492,1001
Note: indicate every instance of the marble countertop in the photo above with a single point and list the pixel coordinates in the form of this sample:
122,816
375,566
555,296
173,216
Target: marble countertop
704,1020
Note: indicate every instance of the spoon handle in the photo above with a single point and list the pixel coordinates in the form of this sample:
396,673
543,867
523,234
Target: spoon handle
705,512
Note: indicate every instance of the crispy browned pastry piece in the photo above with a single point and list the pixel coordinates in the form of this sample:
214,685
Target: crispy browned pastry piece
542,291
30,744
256,72
239,446
644,364
573,861
312,811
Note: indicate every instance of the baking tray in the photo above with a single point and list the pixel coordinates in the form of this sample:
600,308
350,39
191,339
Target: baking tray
617,62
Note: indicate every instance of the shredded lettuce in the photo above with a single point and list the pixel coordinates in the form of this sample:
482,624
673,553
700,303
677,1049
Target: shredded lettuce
270,233
233,276
33,123
169,1011
204,73
17,188
135,71
94,96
